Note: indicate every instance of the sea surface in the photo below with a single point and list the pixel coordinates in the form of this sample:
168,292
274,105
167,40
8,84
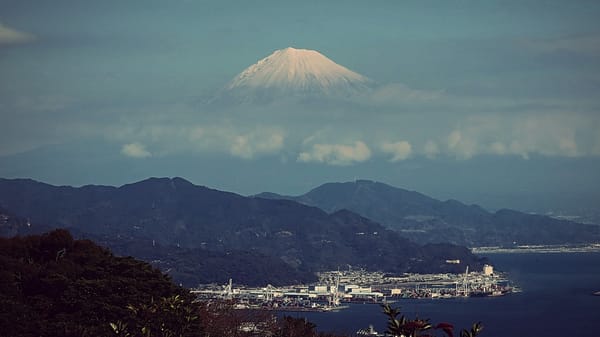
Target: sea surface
556,301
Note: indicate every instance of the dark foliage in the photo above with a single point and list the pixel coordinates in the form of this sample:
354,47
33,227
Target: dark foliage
220,319
297,327
399,325
52,285
191,267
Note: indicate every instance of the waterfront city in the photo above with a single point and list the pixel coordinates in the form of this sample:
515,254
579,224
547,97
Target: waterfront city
335,289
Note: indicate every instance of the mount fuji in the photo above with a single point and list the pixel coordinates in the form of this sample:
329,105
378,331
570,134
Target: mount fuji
295,73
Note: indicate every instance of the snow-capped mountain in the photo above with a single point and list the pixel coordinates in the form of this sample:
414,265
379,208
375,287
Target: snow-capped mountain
294,72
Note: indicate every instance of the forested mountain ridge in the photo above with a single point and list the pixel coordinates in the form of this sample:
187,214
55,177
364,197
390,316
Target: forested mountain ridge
425,219
182,219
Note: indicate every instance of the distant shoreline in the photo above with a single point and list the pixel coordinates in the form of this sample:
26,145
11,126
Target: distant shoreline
588,248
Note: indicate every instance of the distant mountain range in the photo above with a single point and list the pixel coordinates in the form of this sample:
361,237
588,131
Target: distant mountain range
203,235
425,220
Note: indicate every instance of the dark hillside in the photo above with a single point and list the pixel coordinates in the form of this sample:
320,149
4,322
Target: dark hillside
427,220
53,285
210,225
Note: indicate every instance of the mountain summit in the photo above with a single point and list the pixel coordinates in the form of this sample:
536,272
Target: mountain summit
292,72
427,220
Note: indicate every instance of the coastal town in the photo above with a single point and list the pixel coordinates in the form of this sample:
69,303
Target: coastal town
336,289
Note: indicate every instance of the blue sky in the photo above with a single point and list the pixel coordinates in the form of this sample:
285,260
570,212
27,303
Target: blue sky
490,102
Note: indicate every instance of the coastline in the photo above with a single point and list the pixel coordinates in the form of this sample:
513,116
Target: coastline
546,279
587,248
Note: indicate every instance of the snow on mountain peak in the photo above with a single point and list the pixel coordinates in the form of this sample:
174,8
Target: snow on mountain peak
299,71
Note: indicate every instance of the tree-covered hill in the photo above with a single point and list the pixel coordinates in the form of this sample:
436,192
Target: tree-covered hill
53,285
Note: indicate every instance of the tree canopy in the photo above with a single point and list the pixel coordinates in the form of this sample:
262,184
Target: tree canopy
53,285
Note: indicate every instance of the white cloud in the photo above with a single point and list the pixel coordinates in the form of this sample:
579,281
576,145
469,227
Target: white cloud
454,139
246,144
255,143
224,138
431,149
12,36
135,150
546,135
196,133
498,148
542,134
399,150
336,154
461,146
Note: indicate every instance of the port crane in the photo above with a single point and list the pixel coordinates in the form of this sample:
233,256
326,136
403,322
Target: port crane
268,293
466,283
228,290
334,298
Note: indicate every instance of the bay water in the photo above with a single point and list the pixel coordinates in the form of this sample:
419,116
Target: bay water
556,300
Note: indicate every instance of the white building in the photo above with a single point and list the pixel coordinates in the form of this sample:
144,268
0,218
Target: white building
346,288
318,288
360,290
488,269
